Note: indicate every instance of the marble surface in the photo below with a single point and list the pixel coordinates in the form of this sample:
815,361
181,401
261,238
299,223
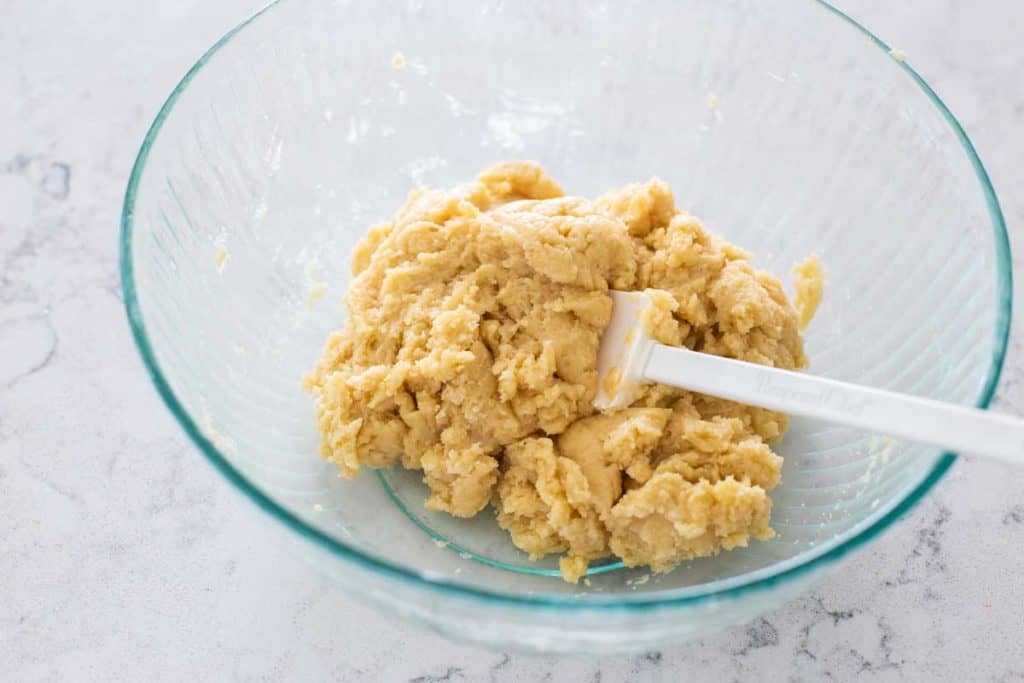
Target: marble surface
123,556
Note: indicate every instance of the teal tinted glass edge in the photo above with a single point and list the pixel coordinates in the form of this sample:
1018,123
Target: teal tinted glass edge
592,603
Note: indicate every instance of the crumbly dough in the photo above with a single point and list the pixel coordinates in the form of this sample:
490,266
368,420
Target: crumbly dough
469,353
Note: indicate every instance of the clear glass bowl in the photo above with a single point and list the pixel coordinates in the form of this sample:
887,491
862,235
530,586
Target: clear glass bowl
787,127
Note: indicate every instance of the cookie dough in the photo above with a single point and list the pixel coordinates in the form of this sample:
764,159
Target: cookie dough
469,353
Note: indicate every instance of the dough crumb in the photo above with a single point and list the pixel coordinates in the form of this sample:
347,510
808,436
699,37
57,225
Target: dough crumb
898,55
398,61
219,439
712,101
810,286
469,354
315,292
221,258
315,289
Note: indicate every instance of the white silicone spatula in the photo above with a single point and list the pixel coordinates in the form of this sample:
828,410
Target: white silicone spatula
629,357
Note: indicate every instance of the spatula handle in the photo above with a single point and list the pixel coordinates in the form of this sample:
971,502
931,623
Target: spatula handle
921,420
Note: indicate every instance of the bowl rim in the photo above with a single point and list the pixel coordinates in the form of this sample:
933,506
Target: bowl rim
756,581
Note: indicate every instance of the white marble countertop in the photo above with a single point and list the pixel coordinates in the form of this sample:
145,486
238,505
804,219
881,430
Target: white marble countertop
123,556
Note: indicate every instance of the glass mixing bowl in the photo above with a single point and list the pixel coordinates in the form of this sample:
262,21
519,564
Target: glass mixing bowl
786,126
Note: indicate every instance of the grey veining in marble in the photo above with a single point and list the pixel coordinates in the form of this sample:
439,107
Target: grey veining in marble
123,556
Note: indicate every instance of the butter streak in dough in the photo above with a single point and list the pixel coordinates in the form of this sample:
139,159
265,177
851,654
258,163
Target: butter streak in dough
469,353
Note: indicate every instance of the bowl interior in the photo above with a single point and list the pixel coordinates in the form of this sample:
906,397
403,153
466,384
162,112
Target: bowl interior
787,131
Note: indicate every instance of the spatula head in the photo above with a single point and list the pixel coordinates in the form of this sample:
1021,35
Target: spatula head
623,351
